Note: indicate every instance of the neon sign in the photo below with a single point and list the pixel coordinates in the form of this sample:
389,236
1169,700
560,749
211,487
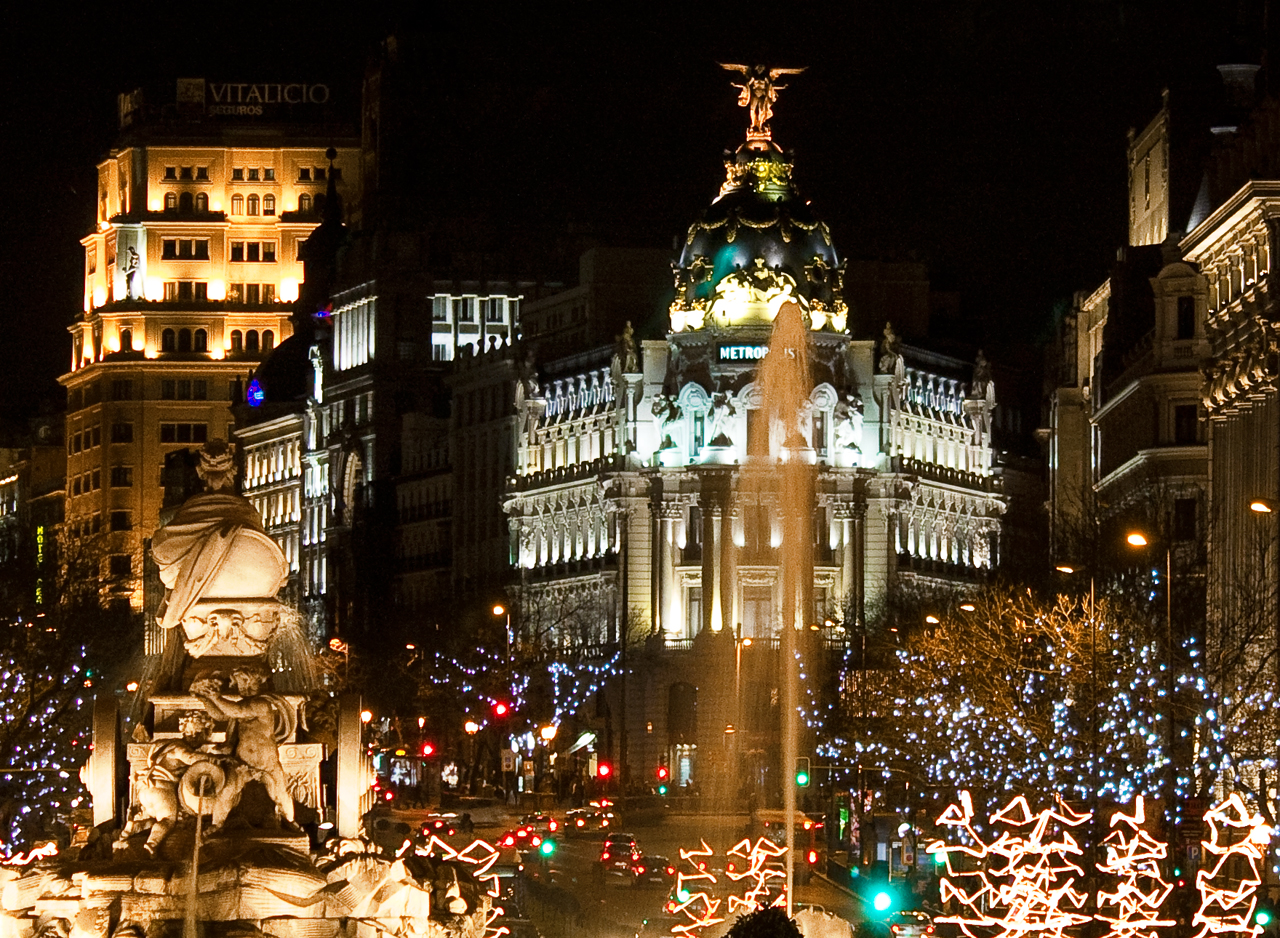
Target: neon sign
741,353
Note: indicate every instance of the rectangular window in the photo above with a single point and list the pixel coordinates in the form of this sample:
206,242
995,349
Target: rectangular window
184,432
97,479
693,612
122,390
237,175
237,250
699,434
439,352
184,390
121,477
304,173
439,309
170,290
186,291
171,172
199,390
121,521
494,309
1184,519
757,612
201,252
1186,317
122,433
202,173
201,290
1186,420
169,249
97,436
252,252
185,173
235,293
268,293
77,443
252,293
268,252
253,175
121,566
268,175
168,389
820,432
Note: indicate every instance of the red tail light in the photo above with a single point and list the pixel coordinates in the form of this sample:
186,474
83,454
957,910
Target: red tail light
605,855
671,906
731,868
671,871
552,826
639,870
537,840
581,822
894,929
929,930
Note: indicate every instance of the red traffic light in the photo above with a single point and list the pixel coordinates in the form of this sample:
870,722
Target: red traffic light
604,770
500,709
428,749
662,773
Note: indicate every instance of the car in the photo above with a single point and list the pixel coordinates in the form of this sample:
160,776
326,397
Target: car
442,825
522,838
911,924
543,824
617,854
652,870
587,821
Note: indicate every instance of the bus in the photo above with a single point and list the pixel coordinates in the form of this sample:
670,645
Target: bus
810,838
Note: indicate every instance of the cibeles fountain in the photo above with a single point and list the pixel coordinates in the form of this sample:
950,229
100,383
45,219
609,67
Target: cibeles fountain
197,819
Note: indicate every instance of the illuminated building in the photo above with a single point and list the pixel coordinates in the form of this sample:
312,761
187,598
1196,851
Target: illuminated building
32,474
635,508
189,276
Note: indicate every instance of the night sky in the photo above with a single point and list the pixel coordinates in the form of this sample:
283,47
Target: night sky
983,138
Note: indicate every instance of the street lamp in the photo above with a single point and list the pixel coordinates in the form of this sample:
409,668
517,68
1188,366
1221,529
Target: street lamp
1139,540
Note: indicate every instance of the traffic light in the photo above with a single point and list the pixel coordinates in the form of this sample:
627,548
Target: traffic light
882,901
802,771
664,775
547,848
428,749
1264,915
604,770
501,708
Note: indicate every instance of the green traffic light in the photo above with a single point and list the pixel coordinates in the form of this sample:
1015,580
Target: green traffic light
548,847
882,901
1262,917
662,789
802,778
683,895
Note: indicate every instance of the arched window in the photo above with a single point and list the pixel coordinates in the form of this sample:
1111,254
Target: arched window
202,202
268,340
202,341
237,205
237,340
167,341
268,205
253,205
184,340
304,203
171,201
251,340
126,340
185,203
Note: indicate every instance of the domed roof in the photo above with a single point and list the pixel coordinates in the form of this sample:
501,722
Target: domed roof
758,231
286,375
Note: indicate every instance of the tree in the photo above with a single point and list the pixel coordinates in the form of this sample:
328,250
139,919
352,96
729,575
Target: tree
1004,696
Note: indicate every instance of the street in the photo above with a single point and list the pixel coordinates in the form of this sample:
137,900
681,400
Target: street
615,907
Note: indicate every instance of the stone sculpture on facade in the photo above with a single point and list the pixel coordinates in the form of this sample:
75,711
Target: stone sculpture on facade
156,798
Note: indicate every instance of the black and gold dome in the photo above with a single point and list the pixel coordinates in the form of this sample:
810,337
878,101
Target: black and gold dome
755,246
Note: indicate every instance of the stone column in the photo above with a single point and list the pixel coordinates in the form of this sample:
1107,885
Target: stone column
711,616
667,590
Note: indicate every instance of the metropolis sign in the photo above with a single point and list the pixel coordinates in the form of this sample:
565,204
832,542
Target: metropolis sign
741,353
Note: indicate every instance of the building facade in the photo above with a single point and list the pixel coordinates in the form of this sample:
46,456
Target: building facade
643,511
189,277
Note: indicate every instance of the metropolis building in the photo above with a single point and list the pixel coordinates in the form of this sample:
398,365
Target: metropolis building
638,509
189,275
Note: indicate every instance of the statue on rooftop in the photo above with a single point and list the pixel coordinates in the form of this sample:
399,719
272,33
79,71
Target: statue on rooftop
757,92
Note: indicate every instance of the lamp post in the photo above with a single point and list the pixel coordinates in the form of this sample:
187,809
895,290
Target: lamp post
1138,540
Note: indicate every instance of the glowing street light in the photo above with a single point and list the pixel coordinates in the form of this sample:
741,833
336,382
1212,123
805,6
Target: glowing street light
365,716
548,732
1136,539
471,727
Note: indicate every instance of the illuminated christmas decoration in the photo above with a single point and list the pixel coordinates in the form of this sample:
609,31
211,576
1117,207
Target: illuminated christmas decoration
1239,841
481,855
1027,877
1133,858
758,874
698,907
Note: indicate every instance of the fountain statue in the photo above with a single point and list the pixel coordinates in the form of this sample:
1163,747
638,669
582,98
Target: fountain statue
217,741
